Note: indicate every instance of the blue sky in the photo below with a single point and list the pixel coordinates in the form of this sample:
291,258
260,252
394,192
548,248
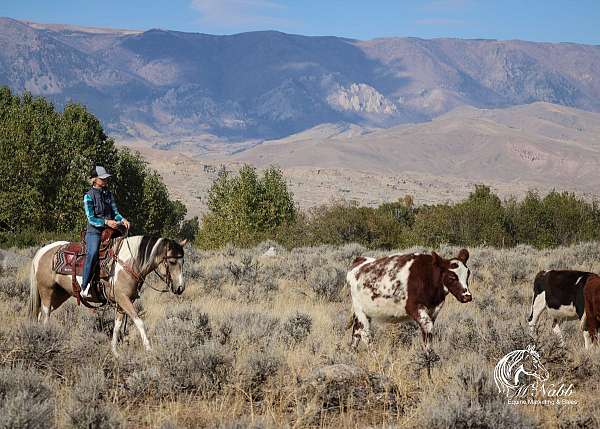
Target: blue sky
550,20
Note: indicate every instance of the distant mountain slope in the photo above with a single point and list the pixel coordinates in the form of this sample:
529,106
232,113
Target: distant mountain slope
179,86
539,143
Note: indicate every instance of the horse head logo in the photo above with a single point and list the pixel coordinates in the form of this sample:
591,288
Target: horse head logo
515,365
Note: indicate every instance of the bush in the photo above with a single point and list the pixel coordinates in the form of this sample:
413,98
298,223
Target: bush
327,282
255,371
186,322
203,369
470,400
89,407
41,346
26,400
296,328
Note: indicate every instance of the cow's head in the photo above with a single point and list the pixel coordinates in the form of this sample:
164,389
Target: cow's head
455,274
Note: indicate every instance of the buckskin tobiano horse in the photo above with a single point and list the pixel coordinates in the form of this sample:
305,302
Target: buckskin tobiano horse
134,258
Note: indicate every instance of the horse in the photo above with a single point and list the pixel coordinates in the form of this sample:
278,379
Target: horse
511,367
135,257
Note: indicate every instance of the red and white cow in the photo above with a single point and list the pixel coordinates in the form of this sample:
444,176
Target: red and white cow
404,287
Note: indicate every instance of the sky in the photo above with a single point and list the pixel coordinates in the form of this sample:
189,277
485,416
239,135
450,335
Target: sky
537,20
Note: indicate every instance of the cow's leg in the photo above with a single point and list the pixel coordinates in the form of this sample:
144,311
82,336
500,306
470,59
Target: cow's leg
422,317
117,331
592,329
537,308
557,331
125,303
361,329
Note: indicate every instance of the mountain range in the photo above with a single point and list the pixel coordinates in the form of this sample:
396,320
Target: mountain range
193,89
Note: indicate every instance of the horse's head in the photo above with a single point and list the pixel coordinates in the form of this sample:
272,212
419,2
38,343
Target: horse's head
532,366
169,264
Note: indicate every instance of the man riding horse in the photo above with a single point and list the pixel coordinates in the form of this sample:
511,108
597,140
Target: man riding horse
101,211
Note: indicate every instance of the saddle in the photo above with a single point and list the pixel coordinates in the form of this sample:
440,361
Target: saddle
69,259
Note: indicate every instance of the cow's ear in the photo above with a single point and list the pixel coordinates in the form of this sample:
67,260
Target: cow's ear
463,256
183,242
437,260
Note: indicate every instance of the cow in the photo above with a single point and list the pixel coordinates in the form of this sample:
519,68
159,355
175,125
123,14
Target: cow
561,293
591,315
404,287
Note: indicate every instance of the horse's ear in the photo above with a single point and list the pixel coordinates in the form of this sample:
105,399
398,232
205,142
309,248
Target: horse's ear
437,260
183,242
463,256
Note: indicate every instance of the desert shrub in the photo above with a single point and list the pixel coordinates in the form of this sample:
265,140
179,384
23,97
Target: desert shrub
296,328
89,407
339,387
347,253
584,367
252,282
202,369
470,400
14,288
26,399
298,265
187,323
255,371
584,416
245,422
327,282
41,346
405,332
143,379
253,329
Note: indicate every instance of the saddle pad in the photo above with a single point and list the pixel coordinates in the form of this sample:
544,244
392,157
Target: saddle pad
64,259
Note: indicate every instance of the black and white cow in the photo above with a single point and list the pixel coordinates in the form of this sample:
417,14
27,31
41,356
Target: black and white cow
561,293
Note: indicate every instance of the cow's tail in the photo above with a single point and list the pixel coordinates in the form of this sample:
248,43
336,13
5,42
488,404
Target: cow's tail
34,295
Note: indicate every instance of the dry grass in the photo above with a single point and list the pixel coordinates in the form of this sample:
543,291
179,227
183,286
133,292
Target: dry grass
260,342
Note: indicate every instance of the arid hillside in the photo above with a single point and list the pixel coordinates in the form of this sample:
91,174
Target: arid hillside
537,146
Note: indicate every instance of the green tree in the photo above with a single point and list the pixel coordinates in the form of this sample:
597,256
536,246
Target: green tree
246,208
45,160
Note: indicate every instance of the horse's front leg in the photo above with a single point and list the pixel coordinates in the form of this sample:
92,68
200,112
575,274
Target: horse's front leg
117,331
126,305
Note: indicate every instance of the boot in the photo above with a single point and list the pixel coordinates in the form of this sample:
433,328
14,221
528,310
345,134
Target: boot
87,292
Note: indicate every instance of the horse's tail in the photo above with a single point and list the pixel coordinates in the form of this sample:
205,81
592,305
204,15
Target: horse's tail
34,295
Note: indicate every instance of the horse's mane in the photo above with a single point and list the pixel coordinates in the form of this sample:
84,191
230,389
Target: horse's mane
149,247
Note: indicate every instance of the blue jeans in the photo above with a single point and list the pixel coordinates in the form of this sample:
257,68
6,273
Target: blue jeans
91,258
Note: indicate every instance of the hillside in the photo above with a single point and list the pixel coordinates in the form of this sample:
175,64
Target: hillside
170,87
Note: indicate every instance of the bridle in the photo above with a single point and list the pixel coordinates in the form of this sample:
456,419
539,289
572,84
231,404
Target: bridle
166,278
141,277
